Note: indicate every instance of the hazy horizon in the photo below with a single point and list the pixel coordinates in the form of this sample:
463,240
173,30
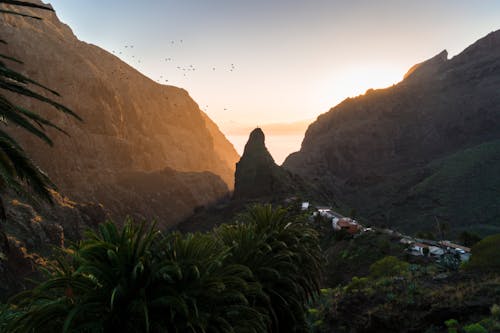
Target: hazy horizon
250,64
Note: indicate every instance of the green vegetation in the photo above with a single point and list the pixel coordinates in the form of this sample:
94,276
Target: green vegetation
319,309
475,328
254,276
452,325
387,267
284,258
465,185
348,256
460,189
485,255
485,325
376,287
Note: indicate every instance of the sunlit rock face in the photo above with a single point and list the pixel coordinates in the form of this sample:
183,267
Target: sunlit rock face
130,123
374,150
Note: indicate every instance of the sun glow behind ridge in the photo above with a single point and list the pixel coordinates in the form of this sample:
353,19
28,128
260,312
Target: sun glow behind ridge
355,80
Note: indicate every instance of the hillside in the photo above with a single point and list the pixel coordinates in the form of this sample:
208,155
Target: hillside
421,150
131,125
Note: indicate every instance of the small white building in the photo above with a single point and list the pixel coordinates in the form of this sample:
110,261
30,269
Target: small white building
462,251
305,206
417,249
436,251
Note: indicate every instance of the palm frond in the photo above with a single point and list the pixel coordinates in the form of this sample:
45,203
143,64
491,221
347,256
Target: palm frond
7,57
25,4
15,164
5,11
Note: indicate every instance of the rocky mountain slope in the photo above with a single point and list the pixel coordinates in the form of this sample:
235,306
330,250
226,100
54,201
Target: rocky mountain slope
422,150
131,125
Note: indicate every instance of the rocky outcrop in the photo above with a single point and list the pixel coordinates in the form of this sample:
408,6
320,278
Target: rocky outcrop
374,150
257,176
131,125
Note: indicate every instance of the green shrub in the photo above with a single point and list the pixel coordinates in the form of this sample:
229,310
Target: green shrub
485,256
450,261
452,325
388,267
357,284
319,310
495,311
490,324
474,328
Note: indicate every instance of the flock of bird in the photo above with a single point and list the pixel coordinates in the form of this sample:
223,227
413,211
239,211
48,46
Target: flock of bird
184,70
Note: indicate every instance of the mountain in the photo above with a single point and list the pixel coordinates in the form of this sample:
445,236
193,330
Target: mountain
131,126
421,151
258,177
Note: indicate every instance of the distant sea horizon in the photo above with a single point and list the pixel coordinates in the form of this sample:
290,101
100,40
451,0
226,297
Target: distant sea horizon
280,146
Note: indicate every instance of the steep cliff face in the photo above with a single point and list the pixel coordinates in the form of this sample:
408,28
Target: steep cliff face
131,124
374,150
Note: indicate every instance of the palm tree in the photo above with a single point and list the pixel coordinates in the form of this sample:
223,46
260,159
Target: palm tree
256,276
94,285
214,294
285,259
137,280
16,169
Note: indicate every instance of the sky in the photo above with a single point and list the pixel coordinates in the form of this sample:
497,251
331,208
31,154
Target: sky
249,63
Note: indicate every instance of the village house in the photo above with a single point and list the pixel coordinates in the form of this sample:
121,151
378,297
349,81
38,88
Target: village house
340,222
415,246
347,224
462,251
435,249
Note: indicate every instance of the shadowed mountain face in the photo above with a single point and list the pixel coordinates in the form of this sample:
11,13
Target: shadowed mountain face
257,176
417,151
131,124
